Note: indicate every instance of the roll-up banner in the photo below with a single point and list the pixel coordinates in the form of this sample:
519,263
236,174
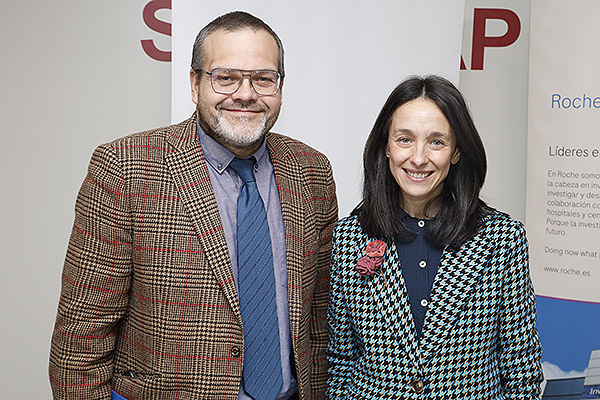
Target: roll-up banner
563,192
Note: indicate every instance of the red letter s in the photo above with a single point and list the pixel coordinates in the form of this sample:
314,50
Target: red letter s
158,26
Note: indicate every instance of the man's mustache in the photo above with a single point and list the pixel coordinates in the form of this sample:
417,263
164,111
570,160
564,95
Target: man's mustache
242,106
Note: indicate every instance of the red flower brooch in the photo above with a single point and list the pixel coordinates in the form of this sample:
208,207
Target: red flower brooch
367,265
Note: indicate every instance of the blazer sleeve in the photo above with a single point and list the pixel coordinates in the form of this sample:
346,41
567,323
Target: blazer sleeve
95,284
520,350
341,352
318,330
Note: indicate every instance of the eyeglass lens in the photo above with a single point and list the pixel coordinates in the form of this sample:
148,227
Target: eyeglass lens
227,81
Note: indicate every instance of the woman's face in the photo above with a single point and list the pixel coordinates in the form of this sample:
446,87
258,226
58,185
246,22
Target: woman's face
421,146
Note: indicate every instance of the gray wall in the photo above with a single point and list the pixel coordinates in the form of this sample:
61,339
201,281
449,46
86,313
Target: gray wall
73,76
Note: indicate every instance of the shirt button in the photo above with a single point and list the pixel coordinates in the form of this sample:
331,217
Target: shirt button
235,351
424,302
421,224
417,386
422,263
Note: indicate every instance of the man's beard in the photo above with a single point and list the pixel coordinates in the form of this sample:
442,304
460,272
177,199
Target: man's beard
243,131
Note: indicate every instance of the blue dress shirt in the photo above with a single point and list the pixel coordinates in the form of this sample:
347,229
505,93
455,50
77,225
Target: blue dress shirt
419,261
226,185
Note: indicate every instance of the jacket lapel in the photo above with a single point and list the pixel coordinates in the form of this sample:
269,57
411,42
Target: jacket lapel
459,272
389,291
188,168
288,176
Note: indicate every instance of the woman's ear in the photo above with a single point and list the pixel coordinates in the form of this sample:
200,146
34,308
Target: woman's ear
455,157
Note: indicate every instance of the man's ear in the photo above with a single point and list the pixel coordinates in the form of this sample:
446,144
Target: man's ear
194,82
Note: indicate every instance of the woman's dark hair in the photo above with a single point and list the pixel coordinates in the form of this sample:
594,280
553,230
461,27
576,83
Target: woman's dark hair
459,207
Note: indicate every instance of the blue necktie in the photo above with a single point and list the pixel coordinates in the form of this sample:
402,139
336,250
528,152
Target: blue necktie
256,280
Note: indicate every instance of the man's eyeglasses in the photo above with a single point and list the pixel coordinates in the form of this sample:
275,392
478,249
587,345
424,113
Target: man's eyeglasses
227,80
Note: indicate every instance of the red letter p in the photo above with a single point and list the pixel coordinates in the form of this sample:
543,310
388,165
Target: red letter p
480,41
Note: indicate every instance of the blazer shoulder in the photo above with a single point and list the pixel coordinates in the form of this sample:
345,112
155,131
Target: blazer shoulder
166,139
348,229
501,224
348,223
282,146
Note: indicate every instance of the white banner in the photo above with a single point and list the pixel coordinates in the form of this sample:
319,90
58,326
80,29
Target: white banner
563,192
563,199
343,58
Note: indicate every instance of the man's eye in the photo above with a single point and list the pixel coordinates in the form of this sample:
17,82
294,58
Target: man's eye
264,80
225,78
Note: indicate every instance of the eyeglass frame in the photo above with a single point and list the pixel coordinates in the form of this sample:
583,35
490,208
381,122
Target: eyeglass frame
245,73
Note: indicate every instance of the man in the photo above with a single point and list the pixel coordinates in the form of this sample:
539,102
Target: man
159,296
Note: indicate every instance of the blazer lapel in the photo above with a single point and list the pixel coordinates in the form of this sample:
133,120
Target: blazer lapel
190,173
288,176
389,291
453,286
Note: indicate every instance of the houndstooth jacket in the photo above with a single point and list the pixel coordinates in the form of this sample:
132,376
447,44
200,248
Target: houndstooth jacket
479,339
148,306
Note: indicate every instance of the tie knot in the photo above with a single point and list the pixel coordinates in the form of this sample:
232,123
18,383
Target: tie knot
244,168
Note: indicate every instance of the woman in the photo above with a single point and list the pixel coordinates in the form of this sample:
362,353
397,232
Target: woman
430,290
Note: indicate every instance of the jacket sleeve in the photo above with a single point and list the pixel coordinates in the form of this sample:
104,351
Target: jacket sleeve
95,284
341,351
520,350
318,334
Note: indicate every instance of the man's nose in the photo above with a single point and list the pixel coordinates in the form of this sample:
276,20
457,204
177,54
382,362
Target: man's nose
245,92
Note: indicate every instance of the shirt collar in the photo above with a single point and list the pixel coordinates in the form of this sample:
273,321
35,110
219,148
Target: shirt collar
220,158
413,222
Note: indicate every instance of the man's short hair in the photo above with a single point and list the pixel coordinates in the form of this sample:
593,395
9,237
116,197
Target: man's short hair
232,22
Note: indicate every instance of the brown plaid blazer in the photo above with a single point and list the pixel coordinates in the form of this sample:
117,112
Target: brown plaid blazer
148,306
